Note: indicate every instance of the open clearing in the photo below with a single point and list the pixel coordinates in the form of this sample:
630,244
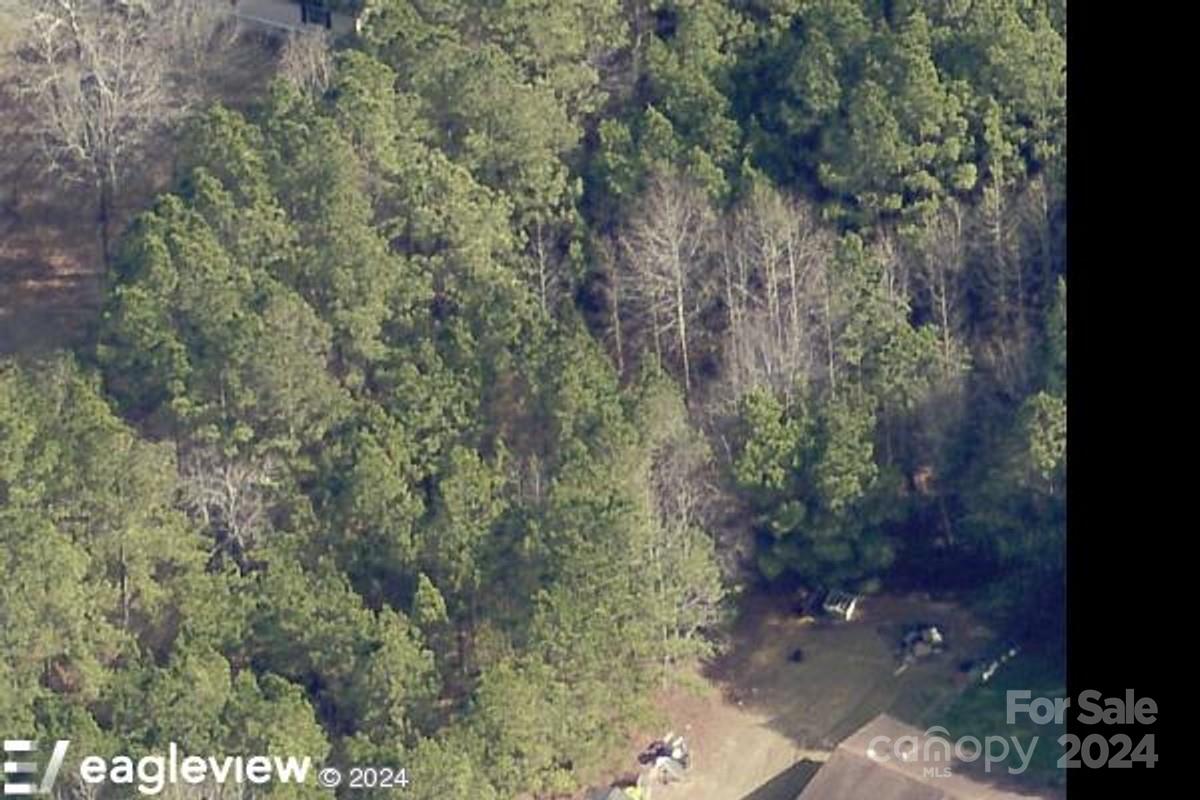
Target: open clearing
764,724
51,260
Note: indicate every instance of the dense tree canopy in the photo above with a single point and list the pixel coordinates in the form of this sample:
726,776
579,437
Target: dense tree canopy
420,404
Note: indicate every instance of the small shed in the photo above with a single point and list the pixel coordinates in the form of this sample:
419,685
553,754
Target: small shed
337,16
841,604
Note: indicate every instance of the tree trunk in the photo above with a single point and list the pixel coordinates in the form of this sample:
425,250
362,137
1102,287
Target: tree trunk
829,333
657,337
103,213
541,261
729,302
681,322
616,319
795,287
124,589
769,258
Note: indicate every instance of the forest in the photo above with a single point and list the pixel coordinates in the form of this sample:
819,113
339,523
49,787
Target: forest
461,381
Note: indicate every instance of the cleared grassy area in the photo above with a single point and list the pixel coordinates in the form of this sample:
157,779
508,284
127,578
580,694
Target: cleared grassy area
982,711
761,731
847,676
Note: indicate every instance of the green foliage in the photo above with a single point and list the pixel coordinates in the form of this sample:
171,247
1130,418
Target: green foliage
558,42
272,716
769,453
1044,420
683,119
449,766
429,607
81,641
199,702
371,502
504,90
1015,494
893,112
192,322
1056,341
819,492
92,541
373,670
396,684
371,487
469,502
845,468
182,701
523,717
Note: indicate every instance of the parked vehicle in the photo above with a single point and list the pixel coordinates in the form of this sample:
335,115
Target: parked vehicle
920,640
668,759
983,669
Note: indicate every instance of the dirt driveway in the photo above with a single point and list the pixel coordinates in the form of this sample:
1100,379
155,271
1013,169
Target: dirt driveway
766,723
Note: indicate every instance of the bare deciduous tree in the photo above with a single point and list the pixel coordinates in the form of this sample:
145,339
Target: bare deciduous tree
229,496
999,272
997,282
604,254
684,574
102,79
665,249
307,61
940,257
775,257
756,358
1040,206
198,33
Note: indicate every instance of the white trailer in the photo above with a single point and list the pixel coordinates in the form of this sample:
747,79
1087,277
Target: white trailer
841,604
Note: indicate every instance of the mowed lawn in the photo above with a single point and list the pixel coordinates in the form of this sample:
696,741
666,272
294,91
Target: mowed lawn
982,711
756,734
847,674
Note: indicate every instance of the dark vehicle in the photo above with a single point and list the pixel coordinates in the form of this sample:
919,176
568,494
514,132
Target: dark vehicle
923,639
920,640
669,747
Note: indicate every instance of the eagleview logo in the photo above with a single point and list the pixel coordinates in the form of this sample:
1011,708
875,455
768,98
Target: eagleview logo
26,769
149,774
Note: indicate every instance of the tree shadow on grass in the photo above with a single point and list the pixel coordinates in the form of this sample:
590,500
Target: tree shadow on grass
846,675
